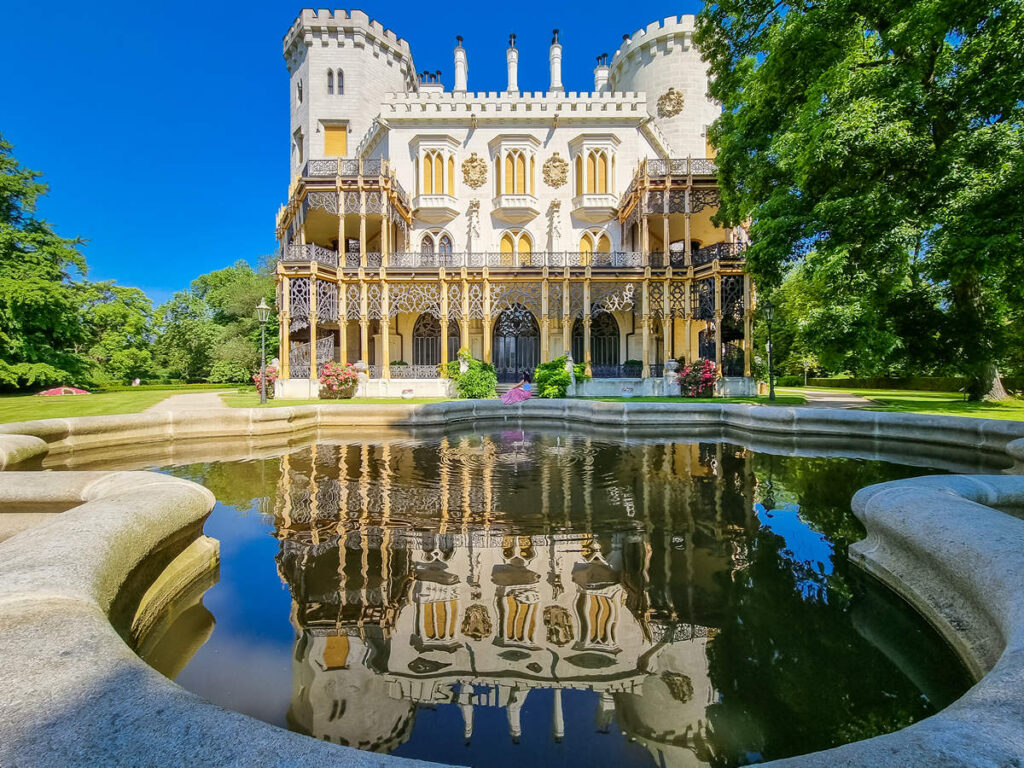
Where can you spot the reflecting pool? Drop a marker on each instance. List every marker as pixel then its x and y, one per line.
pixel 527 597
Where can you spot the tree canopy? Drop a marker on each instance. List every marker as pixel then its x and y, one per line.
pixel 880 146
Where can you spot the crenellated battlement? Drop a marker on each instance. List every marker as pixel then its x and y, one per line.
pixel 324 25
pixel 486 103
pixel 656 31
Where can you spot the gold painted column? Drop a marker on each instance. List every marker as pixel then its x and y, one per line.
pixel 362 229
pixel 444 324
pixel 666 322
pixel 718 323
pixel 464 320
pixel 544 322
pixel 645 325
pixel 364 322
pixel 748 325
pixel 688 320
pixel 566 320
pixel 487 318
pixel 341 229
pixel 285 341
pixel 385 327
pixel 586 326
pixel 342 321
pixel 385 234
pixel 686 229
pixel 313 373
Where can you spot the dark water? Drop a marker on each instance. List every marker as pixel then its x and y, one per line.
pixel 522 598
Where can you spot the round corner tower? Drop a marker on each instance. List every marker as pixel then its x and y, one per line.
pixel 339 65
pixel 663 62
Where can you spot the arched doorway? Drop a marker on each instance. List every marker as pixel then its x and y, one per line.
pixel 426 341
pixel 604 345
pixel 516 346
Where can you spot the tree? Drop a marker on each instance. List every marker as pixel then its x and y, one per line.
pixel 187 335
pixel 40 332
pixel 885 138
pixel 120 324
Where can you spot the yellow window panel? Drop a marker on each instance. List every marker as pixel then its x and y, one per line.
pixel 336 140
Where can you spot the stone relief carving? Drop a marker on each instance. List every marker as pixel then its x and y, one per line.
pixel 559 625
pixel 474 171
pixel 670 103
pixel 555 170
pixel 477 623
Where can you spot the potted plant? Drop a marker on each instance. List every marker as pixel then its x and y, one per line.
pixel 338 380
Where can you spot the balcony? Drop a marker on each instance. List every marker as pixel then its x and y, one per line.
pixel 723 252
pixel 685 166
pixel 343 166
pixel 415 260
pixel 309 253
pixel 435 209
pixel 515 209
pixel 594 208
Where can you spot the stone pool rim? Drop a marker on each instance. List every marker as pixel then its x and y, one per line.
pixel 936 540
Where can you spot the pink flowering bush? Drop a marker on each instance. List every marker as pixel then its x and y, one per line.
pixel 697 379
pixel 272 373
pixel 338 380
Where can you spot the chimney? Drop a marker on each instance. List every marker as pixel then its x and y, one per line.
pixel 512 55
pixel 601 73
pixel 461 66
pixel 555 59
pixel 430 82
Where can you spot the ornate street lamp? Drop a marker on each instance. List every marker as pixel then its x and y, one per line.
pixel 263 314
pixel 769 313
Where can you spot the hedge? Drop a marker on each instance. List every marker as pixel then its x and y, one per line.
pixel 177 387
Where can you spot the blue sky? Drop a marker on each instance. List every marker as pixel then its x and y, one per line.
pixel 162 130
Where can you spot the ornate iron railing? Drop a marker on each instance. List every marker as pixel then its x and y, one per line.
pixel 616 371
pixel 494 259
pixel 310 252
pixel 414 372
pixel 720 251
pixel 342 166
pixel 319 168
pixel 697 166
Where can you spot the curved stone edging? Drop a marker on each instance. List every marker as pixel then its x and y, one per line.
pixel 72 692
pixel 69 676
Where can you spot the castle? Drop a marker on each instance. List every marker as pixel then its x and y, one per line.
pixel 521 226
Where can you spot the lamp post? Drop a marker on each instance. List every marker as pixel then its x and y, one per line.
pixel 769 312
pixel 263 314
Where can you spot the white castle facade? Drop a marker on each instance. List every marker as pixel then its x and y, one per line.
pixel 520 225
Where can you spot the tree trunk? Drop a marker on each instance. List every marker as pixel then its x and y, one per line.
pixel 977 337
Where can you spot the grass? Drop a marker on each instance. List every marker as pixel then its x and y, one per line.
pixel 30 407
pixel 937 403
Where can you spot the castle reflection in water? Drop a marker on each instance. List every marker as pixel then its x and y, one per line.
pixel 411 586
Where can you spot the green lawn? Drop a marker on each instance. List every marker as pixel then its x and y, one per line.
pixel 30 407
pixel 941 403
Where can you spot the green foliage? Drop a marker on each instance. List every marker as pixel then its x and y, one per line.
pixel 878 147
pixel 228 371
pixel 552 380
pixel 479 382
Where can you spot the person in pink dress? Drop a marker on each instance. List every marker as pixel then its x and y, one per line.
pixel 519 392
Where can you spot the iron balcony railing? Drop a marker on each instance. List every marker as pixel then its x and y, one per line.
pixel 343 166
pixel 683 166
pixel 724 252
pixel 611 260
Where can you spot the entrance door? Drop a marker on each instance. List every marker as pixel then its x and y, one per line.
pixel 516 346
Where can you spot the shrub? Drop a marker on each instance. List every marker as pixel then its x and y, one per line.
pixel 398 362
pixel 552 380
pixel 271 378
pixel 227 371
pixel 338 380
pixel 479 382
pixel 789 381
pixel 697 379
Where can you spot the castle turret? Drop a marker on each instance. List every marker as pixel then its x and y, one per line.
pixel 512 58
pixel 461 67
pixel 555 62
pixel 601 74
pixel 663 62
pixel 339 64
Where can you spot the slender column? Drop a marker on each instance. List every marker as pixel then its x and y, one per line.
pixel 341 230
pixel 686 228
pixel 688 320
pixel 385 326
pixel 645 324
pixel 718 323
pixel 748 325
pixel 385 238
pixel 666 322
pixel 285 328
pixel 544 323
pixel 487 320
pixel 464 320
pixel 362 229
pixel 566 320
pixel 645 237
pixel 665 234
pixel 364 323
pixel 586 326
pixel 444 326
pixel 342 322
pixel 313 372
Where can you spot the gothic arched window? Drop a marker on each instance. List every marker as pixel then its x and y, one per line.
pixel 330 81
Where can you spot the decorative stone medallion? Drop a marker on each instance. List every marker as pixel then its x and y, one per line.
pixel 474 171
pixel 556 171
pixel 670 103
